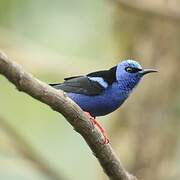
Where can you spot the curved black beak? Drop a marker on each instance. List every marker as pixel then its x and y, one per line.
pixel 146 71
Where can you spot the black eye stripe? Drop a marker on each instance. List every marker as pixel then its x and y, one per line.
pixel 132 69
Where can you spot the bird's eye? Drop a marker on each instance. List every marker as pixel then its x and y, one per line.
pixel 132 69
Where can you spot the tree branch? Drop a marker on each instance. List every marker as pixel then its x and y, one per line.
pixel 59 102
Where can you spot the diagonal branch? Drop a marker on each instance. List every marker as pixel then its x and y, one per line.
pixel 59 102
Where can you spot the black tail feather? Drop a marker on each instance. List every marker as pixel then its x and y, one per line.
pixel 55 84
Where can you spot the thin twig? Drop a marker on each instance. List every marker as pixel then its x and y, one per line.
pixel 59 102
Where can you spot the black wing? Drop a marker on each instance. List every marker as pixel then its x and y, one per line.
pixel 80 85
pixel 84 85
pixel 108 75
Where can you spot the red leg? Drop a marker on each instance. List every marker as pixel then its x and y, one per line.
pixel 99 127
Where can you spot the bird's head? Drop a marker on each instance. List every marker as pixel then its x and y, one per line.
pixel 129 73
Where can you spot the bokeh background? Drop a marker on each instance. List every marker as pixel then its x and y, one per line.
pixel 60 38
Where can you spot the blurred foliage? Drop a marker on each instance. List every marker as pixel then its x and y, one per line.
pixel 53 39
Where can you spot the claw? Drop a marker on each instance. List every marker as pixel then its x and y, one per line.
pixel 99 127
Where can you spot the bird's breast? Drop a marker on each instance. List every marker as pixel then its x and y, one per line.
pixel 102 104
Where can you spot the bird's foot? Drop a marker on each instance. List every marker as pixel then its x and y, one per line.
pixel 99 127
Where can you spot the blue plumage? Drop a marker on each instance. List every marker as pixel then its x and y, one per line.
pixel 102 92
pixel 102 104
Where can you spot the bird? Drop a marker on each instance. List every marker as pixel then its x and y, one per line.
pixel 102 92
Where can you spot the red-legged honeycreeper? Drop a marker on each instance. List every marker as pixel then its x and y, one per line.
pixel 101 92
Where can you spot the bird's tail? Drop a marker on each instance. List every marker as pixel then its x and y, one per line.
pixel 55 84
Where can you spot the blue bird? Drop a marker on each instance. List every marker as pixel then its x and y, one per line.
pixel 102 92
